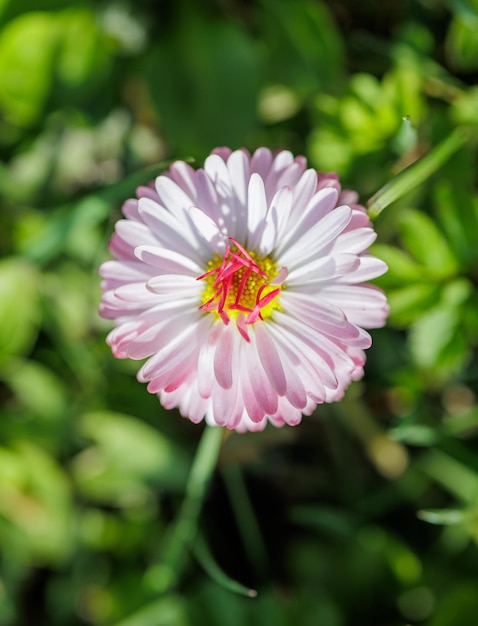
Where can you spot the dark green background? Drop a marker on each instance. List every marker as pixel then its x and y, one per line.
pixel 367 513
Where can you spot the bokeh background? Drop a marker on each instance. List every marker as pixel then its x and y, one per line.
pixel 367 513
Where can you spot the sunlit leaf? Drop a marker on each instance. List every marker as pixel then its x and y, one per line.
pixel 83 54
pixel 457 210
pixel 27 53
pixel 436 338
pixel 427 244
pixel 411 302
pixel 462 41
pixel 402 268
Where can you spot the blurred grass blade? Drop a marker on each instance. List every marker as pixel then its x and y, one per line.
pixel 203 554
pixel 416 173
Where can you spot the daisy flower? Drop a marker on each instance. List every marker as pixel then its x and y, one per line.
pixel 243 284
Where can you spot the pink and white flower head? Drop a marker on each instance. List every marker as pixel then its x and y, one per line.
pixel 244 285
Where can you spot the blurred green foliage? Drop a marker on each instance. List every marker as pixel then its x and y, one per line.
pixel 367 512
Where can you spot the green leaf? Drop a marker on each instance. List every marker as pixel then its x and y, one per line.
pixel 35 498
pixel 436 340
pixel 462 42
pixel 330 149
pixel 128 458
pixel 19 306
pixel 83 53
pixel 411 302
pixel 27 54
pixel 402 268
pixel 36 387
pixel 464 107
pixel 457 212
pixel 423 239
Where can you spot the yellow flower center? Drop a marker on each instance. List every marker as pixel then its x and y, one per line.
pixel 241 282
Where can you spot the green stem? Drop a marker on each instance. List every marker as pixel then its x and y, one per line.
pixel 165 574
pixel 417 173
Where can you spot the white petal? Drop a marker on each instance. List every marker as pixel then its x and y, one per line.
pixel 310 244
pixel 175 286
pixel 130 210
pixel 151 340
pixel 206 378
pixel 321 266
pixel 257 209
pixel 261 162
pixel 216 169
pixel 270 359
pixel 168 261
pixel 174 349
pixel 266 397
pixel 134 233
pixel 239 172
pixel 304 190
pixel 369 267
pixel 207 199
pixel 276 220
pixel 325 319
pixel 253 409
pixel 183 174
pixel 223 358
pixel 301 222
pixel 172 196
pixel 207 229
pixel 305 341
pixel 364 305
pixel 223 404
pixel 125 271
pixel 135 292
pixel 171 230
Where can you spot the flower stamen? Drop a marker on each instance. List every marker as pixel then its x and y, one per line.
pixel 241 283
